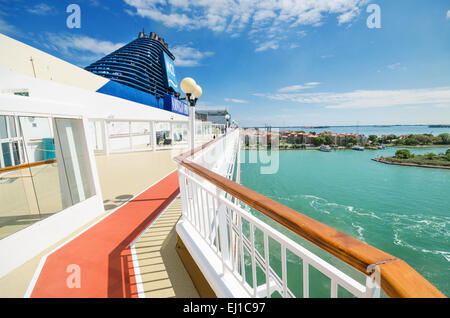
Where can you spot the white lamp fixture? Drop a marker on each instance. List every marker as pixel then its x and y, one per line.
pixel 188 85
pixel 192 90
pixel 197 91
pixel 227 118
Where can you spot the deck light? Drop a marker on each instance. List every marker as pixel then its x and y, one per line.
pixel 198 91
pixel 188 85
pixel 193 92
pixel 227 118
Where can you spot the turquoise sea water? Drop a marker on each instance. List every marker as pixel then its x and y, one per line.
pixel 404 211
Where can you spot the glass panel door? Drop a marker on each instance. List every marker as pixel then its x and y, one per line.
pixel 44 169
pixel 75 158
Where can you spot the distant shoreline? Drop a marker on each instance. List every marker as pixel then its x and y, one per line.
pixel 353 126
pixel 409 164
pixel 345 148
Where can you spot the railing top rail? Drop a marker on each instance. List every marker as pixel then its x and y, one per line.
pixel 398 279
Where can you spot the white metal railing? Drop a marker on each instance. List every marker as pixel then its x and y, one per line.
pixel 123 135
pixel 229 230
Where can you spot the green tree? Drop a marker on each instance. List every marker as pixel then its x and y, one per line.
pixel 447 155
pixel 403 154
pixel 423 139
pixel 328 140
pixel 373 138
pixel 447 152
pixel 350 141
pixel 430 156
pixel 445 138
pixel 319 141
pixel 388 138
pixel 410 141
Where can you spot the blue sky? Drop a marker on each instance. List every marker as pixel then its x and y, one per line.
pixel 280 62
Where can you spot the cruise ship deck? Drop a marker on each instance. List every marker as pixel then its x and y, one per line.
pixel 103 196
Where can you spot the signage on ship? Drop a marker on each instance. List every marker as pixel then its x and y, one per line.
pixel 174 105
pixel 170 72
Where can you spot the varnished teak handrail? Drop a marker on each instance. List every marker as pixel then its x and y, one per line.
pixel 398 279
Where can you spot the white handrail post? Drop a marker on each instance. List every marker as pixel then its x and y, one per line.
pixel 153 136
pixel 373 289
pixel 183 192
pixel 223 230
pixel 105 137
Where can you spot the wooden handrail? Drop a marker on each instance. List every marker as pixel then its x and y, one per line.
pixel 27 165
pixel 398 279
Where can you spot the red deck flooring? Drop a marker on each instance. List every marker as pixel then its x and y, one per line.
pixel 102 253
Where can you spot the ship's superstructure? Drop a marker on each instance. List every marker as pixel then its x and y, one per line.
pixel 145 64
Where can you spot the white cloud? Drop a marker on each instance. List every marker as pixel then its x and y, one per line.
pixel 235 100
pixel 71 46
pixel 267 18
pixel 41 9
pixel 83 43
pixel 6 28
pixel 348 16
pixel 393 67
pixel 296 88
pixel 188 56
pixel 361 99
pixel 448 15
pixel 272 44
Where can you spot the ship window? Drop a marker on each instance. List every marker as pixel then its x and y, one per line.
pixel 163 135
pixel 180 133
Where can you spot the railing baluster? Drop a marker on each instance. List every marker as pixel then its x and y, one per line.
pixel 266 256
pixel 190 201
pixel 284 270
pixel 182 181
pixel 232 249
pixel 241 248
pixel 216 226
pixel 223 230
pixel 202 213
pixel 305 279
pixel 334 289
pixel 199 228
pixel 208 212
pixel 252 241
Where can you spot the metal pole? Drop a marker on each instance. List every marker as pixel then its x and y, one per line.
pixel 192 125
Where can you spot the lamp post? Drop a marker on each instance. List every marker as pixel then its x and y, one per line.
pixel 193 92
pixel 227 118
